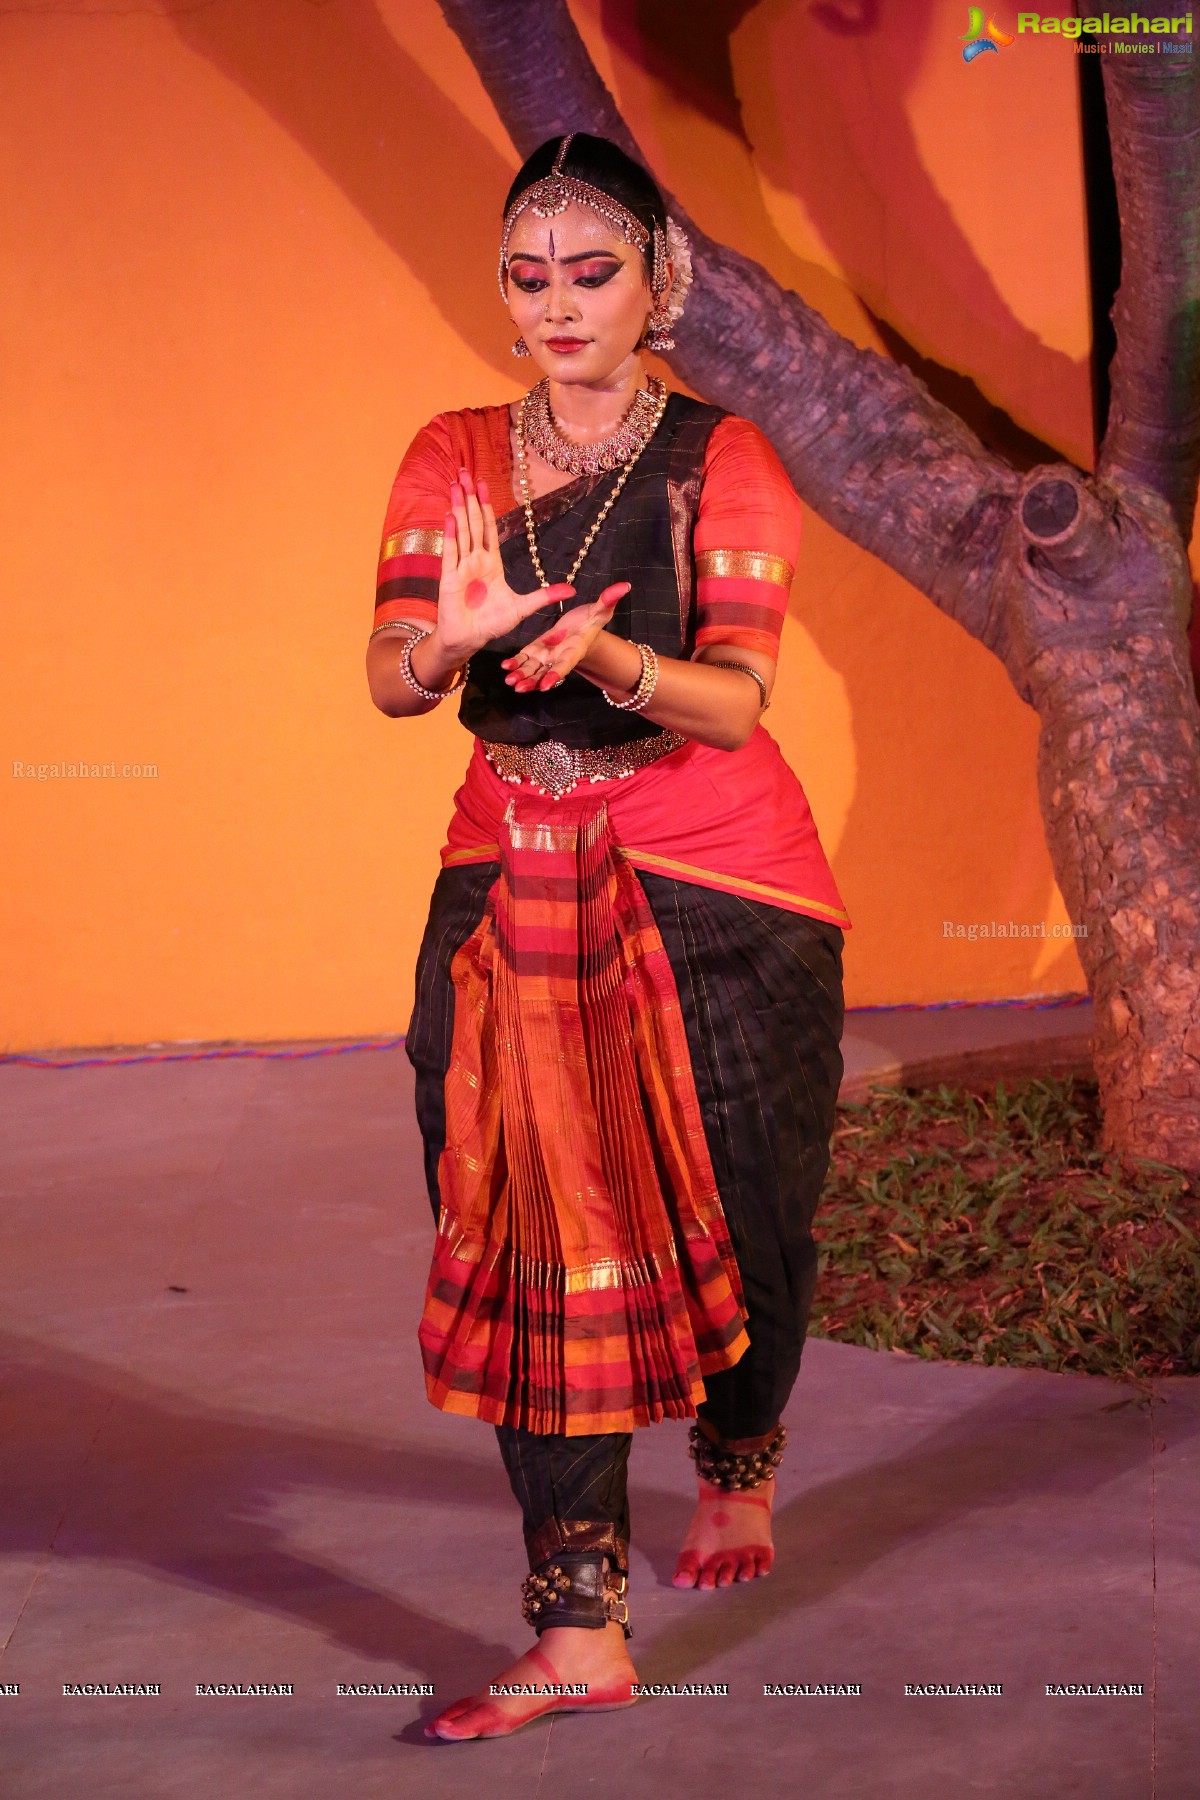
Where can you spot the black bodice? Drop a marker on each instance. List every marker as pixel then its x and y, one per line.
pixel 646 540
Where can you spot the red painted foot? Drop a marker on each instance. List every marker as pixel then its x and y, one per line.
pixel 482 1716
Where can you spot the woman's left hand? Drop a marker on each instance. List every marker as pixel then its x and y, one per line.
pixel 550 658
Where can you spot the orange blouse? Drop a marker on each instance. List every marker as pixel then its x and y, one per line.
pixel 746 537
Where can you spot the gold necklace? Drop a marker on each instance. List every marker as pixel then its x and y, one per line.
pixel 634 427
pixel 527 500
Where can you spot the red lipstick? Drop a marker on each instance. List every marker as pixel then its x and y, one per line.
pixel 565 345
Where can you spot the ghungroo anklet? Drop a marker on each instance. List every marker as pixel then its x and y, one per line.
pixel 730 1469
pixel 541 1590
pixel 576 1588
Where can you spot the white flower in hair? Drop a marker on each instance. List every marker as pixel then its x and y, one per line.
pixel 679 250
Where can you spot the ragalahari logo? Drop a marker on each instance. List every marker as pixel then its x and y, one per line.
pixel 982 40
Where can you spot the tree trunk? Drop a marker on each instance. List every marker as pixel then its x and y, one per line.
pixel 1078 583
pixel 1119 784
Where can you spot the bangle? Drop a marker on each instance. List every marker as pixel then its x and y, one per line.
pixel 406 670
pixel 401 625
pixel 752 673
pixel 647 682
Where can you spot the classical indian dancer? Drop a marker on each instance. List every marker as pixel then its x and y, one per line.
pixel 628 1013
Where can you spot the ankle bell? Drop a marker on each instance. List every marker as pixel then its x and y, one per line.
pixel 576 1587
pixel 733 1469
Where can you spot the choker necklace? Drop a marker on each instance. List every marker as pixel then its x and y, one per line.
pixel 541 430
pixel 636 444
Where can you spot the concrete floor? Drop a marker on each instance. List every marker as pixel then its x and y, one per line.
pixel 217 1464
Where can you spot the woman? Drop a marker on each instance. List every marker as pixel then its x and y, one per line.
pixel 629 997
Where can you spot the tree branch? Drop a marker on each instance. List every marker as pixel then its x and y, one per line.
pixel 866 444
pixel 1079 584
pixel 1153 433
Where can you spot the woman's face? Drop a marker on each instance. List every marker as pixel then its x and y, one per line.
pixel 578 293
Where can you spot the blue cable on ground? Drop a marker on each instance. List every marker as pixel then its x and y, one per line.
pixel 220 1053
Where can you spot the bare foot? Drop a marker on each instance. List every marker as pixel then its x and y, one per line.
pixel 729 1538
pixel 596 1659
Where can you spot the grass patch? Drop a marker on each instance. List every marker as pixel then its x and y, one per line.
pixel 985 1224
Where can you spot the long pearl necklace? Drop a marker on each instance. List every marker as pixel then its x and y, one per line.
pixel 633 434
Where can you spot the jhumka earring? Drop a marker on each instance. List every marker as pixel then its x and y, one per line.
pixel 658 332
pixel 670 244
pixel 658 326
pixel 554 192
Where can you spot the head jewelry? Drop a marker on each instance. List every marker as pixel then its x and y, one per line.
pixel 555 192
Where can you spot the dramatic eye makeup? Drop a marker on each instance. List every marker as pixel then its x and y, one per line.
pixel 590 269
pixel 595 273
pixel 527 279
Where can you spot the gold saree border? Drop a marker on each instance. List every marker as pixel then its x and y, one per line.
pixel 746 565
pixel 412 542
pixel 729 884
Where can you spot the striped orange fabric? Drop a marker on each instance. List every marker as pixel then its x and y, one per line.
pixel 410 551
pixel 737 820
pixel 746 541
pixel 583 1278
pixel 746 537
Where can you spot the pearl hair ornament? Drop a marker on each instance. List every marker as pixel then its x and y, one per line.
pixel 555 192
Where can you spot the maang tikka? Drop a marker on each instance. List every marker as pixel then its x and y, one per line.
pixel 554 192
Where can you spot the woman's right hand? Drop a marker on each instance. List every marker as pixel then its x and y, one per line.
pixel 475 602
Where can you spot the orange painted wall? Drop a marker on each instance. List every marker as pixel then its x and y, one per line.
pixel 250 250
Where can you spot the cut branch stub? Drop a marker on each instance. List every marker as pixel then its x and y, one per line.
pixel 1079 583
pixel 1067 526
pixel 1049 507
pixel 1099 563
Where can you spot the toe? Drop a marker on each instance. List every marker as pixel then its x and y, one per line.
pixel 686 1569
pixel 726 1570
pixel 764 1561
pixel 469 1721
pixel 449 1722
pixel 434 1727
pixel 445 1728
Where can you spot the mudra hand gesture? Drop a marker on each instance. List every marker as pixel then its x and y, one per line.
pixel 551 657
pixel 476 604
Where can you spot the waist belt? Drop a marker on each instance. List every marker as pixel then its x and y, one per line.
pixel 555 768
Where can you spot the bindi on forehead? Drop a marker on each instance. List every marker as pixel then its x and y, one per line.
pixel 578 232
